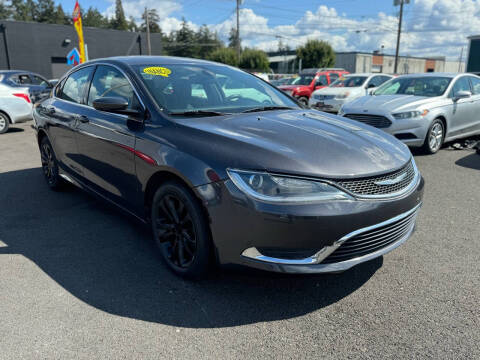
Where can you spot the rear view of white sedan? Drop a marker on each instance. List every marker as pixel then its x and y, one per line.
pixel 345 89
pixel 15 107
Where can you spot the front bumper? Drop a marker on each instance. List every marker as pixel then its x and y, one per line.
pixel 330 105
pixel 255 234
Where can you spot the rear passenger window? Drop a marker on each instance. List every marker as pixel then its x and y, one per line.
pixel 74 88
pixel 110 82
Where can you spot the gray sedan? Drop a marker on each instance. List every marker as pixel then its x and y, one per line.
pixel 422 110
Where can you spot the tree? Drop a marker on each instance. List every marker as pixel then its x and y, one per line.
pixel 254 60
pixel 24 10
pixel 94 18
pixel 60 16
pixel 207 42
pixel 46 11
pixel 119 22
pixel 132 25
pixel 225 56
pixel 153 19
pixel 316 53
pixel 184 41
pixel 5 11
pixel 232 38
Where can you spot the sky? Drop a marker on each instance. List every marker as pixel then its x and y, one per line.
pixel 430 28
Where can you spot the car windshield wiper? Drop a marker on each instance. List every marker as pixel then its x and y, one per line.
pixel 197 113
pixel 268 108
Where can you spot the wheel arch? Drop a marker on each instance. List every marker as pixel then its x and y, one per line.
pixel 9 119
pixel 443 119
pixel 159 178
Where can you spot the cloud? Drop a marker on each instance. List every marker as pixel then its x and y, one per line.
pixel 431 27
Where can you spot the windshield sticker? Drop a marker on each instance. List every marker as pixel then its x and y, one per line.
pixel 157 70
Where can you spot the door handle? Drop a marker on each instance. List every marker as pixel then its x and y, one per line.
pixel 82 118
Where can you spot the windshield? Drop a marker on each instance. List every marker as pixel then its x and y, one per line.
pixel 350 81
pixel 419 86
pixel 305 79
pixel 182 88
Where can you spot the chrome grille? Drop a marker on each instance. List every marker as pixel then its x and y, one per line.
pixel 373 120
pixel 372 240
pixel 372 186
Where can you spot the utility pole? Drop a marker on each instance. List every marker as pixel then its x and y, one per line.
pixel 147 22
pixel 238 28
pixel 460 61
pixel 395 3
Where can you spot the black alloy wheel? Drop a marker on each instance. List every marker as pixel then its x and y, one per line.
pixel 50 165
pixel 181 231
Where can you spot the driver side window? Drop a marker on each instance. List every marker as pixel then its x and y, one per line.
pixel 109 82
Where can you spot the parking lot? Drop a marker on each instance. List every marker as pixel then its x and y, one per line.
pixel 80 279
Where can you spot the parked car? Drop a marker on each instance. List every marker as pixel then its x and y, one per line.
pixel 310 80
pixel 15 107
pixel 345 89
pixel 224 178
pixel 282 81
pixel 38 87
pixel 422 110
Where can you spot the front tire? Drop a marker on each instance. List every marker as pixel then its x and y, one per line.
pixel 50 165
pixel 303 100
pixel 180 230
pixel 435 137
pixel 4 123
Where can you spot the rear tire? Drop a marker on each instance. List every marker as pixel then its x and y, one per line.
pixel 435 137
pixel 180 230
pixel 50 165
pixel 4 123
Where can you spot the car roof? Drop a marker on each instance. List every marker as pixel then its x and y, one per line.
pixel 434 74
pixel 161 60
pixel 366 74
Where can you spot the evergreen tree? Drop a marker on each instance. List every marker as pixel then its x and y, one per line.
pixel 94 18
pixel 24 10
pixel 254 60
pixel 232 38
pixel 132 26
pixel 5 11
pixel 153 19
pixel 46 11
pixel 316 53
pixel 184 41
pixel 61 17
pixel 119 22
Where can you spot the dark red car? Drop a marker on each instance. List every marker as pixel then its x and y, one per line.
pixel 310 80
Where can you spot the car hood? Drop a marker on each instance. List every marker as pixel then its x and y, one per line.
pixel 290 87
pixel 307 143
pixel 388 103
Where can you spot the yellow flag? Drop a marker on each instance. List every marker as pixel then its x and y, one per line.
pixel 77 22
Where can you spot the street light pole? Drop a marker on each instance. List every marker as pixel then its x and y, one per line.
pixel 399 2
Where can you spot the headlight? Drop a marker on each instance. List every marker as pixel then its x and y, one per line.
pixel 410 114
pixel 281 189
pixel 342 96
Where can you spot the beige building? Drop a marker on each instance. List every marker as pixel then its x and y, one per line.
pixel 357 62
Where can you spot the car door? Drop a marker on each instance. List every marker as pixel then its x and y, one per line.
pixel 106 141
pixel 63 109
pixel 462 109
pixel 475 120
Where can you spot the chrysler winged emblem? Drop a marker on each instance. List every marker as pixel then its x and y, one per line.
pixel 391 181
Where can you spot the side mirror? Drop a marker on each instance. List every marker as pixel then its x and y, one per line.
pixel 117 105
pixel 464 94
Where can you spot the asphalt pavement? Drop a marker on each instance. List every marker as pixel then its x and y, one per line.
pixel 80 280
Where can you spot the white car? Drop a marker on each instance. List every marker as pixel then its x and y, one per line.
pixel 15 106
pixel 345 89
